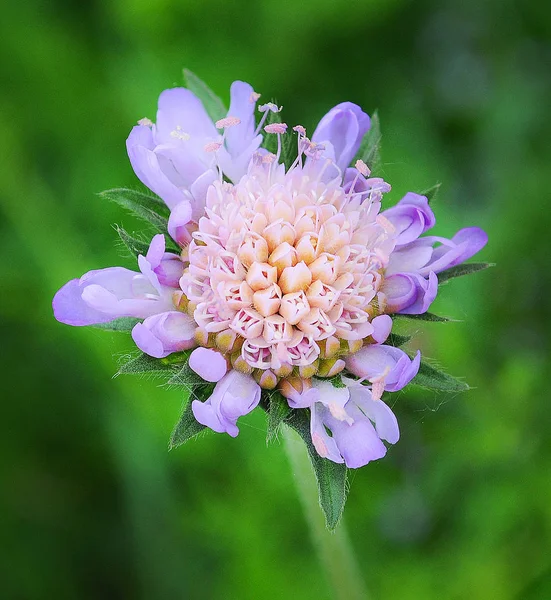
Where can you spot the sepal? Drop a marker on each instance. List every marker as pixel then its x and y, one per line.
pixel 213 104
pixel 369 150
pixel 431 377
pixel 460 270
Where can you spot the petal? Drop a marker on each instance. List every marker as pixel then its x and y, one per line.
pixel 342 130
pixel 242 106
pixel 208 364
pixel 412 257
pixel 180 216
pixel 382 326
pixel 358 443
pixel 146 166
pixel 179 107
pixel 70 308
pixel 162 334
pixel 385 421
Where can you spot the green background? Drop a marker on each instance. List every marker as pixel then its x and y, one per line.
pixel 93 505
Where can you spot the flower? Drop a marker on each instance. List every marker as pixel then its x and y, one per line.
pixel 357 422
pixel 170 158
pixel 287 273
pixel 235 395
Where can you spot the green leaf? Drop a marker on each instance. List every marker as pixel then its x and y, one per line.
pixel 277 409
pixel 186 427
pixel 145 364
pixel 369 150
pixel 146 207
pixel 125 324
pixel 431 192
pixel 424 317
pixel 331 476
pixel 213 105
pixel 460 270
pixel 187 377
pixel 433 378
pixel 134 245
pixel 397 340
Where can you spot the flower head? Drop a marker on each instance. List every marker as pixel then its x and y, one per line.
pixel 283 274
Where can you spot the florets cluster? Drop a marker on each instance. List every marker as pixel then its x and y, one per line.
pixel 285 271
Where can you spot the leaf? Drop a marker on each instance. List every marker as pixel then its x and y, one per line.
pixel 277 409
pixel 460 270
pixel 424 317
pixel 146 207
pixel 213 105
pixel 125 324
pixel 186 376
pixel 145 364
pixel 331 476
pixel 369 150
pixel 431 193
pixel 433 378
pixel 132 244
pixel 186 427
pixel 397 340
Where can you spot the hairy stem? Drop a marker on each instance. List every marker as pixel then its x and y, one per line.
pixel 333 548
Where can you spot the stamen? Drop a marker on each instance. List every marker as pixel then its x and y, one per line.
pixel 276 128
pixel 145 122
pixel 362 168
pixel 227 122
pixel 254 97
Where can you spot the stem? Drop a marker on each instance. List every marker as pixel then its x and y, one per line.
pixel 334 550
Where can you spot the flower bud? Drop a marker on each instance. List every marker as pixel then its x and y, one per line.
pixel 306 247
pixel 307 371
pixel 293 307
pixel 329 367
pixel 253 249
pixel 240 364
pixel 261 275
pixel 295 279
pixel 294 385
pixel 283 256
pixel 267 301
pixel 265 379
pixel 284 370
pixel 228 341
pixel 330 347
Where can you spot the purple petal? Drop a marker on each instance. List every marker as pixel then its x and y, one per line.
pixel 179 107
pixel 382 326
pixel 467 243
pixel 411 217
pixel 180 216
pixel 208 364
pixel 358 443
pixel 70 308
pixel 162 334
pixel 145 163
pixel 411 257
pixel 410 293
pixel 235 395
pixel 243 107
pixel 342 130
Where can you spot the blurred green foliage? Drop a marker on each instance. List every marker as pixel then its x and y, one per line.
pixel 93 505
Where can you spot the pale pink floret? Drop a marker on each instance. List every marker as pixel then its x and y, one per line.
pixel 285 261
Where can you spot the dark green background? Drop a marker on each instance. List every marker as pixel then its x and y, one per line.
pixel 93 506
